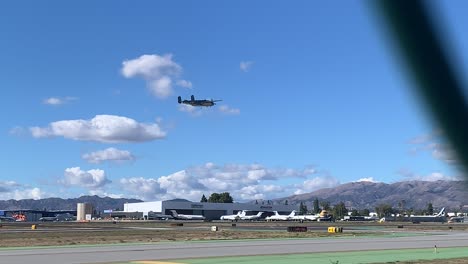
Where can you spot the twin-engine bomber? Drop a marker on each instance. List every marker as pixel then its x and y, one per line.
pixel 194 102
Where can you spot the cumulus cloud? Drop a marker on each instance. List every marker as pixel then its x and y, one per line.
pixel 184 83
pixel 228 110
pixel 245 66
pixel 92 179
pixel 434 176
pixel 434 144
pixel 102 128
pixel 58 100
pixel 160 73
pixel 243 181
pixel 147 189
pixel 109 154
pixel 316 183
pixel 192 110
pixel 14 190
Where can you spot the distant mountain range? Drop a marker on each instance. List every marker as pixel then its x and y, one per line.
pixel 358 195
pixel 408 194
pixel 99 203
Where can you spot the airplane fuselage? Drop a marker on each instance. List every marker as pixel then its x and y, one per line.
pixel 198 102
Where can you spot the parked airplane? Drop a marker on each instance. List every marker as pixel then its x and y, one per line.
pixel 186 217
pixel 305 217
pixel 7 219
pixel 278 217
pixel 440 217
pixel 456 219
pixel 233 217
pixel 252 217
pixel 49 219
pixel 194 102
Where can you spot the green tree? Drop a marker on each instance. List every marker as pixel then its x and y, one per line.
pixel 325 205
pixel 339 210
pixel 384 210
pixel 302 208
pixel 430 209
pixel 203 199
pixel 364 212
pixel 316 206
pixel 354 212
pixel 224 197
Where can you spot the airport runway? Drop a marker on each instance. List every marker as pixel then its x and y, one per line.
pixel 178 250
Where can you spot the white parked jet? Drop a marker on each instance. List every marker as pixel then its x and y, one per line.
pixel 278 217
pixel 252 217
pixel 305 217
pixel 440 217
pixel 235 217
pixel 186 217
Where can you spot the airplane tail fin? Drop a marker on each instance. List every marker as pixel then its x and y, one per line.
pixel 179 100
pixel 174 213
pixel 441 212
pixel 293 213
pixel 259 214
pixel 192 98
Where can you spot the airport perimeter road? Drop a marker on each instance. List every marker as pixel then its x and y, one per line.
pixel 178 250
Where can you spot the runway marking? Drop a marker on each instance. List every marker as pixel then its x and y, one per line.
pixel 154 262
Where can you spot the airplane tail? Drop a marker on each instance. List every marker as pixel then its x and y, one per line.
pixel 192 98
pixel 179 100
pixel 293 213
pixel 259 214
pixel 174 213
pixel 441 212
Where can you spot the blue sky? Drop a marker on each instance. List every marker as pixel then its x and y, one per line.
pixel 312 97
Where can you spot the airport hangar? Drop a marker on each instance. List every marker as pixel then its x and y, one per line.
pixel 212 211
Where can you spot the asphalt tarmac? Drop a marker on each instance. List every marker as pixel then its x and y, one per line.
pixel 178 250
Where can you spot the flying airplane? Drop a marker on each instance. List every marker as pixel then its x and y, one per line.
pixel 440 217
pixel 186 217
pixel 278 217
pixel 235 217
pixel 194 102
pixel 252 217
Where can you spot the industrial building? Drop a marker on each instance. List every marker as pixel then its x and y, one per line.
pixel 212 211
pixel 84 211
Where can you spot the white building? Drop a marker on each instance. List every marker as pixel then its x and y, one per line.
pixel 212 211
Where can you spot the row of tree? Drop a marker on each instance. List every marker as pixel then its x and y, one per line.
pixel 224 197
pixel 339 210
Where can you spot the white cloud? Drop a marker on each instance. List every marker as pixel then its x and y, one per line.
pixel 245 66
pixel 58 100
pixel 102 128
pixel 434 176
pixel 147 189
pixel 92 179
pixel 14 190
pixel 184 83
pixel 109 154
pixel 316 184
pixel 243 181
pixel 434 144
pixel 228 110
pixel 160 72
pixel 192 110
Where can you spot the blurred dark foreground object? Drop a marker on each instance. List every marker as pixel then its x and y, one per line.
pixel 427 62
